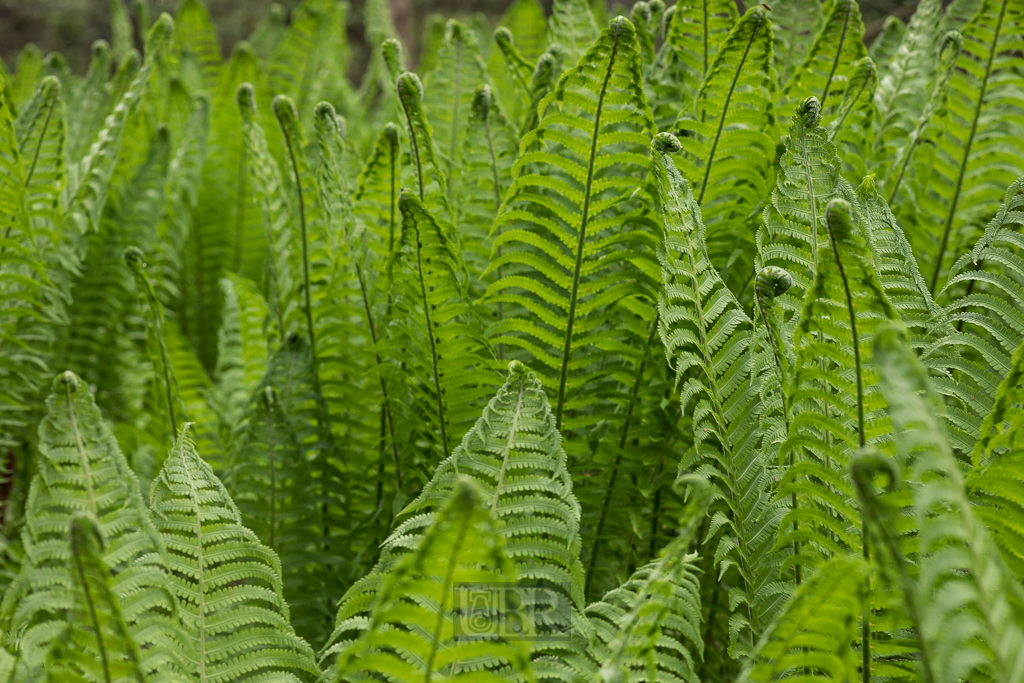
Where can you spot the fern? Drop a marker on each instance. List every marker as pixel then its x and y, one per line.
pixel 829 64
pixel 959 561
pixel 707 340
pixel 797 23
pixel 97 644
pixel 421 165
pixel 81 469
pixel 979 98
pixel 726 139
pixel 812 637
pixel 572 25
pixel 852 129
pixel 196 46
pixel 229 583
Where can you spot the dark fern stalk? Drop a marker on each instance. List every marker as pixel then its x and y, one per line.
pixel 839 219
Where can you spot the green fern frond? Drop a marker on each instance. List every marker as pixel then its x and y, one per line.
pixel 452 361
pixel 883 48
pixel 993 486
pixel 956 179
pixel 521 37
pixel 242 349
pixel 422 169
pixel 416 630
pixel 836 407
pixel 695 33
pixel 491 148
pixel 830 61
pixel 375 201
pixel 196 47
pixel 543 80
pixel 794 221
pixel 958 559
pixel 852 130
pixel 448 97
pixel 228 583
pixel 81 469
pixel 268 33
pixel 572 25
pixel 707 340
pixel 310 54
pixel 796 22
pixel 649 629
pixel 27 71
pixel 727 139
pixel 97 644
pixel 952 44
pixel 272 480
pixel 89 99
pixel 812 638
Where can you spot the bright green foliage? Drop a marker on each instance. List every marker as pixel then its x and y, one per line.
pixel 414 611
pixel 228 583
pixel 727 139
pixel 794 221
pixel 830 61
pixel 957 184
pixel 96 645
pixel 695 458
pixel 81 469
pixel 817 629
pixel 796 23
pixel 693 37
pixel 450 371
pixel 959 560
pixel 704 329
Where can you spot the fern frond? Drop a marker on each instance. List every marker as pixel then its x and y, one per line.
pixel 836 408
pixel 309 54
pixel 727 139
pixel 452 361
pixel 796 22
pixel 97 644
pixel 883 48
pixel 794 221
pixel 958 562
pixel 81 469
pixel 27 71
pixel 830 61
pixel 196 47
pixel 852 129
pixel 521 37
pixel 421 165
pixel 695 33
pixel 417 630
pixel 228 583
pixel 448 97
pixel 957 179
pixel 812 638
pixel 707 340
pixel 542 81
pixel 272 480
pixel 242 349
pixel 572 25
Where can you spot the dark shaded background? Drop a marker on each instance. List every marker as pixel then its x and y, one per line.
pixel 70 26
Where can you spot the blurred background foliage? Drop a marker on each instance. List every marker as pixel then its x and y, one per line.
pixel 71 26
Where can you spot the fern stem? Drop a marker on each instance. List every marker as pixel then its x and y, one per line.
pixel 273 469
pixel 567 347
pixel 967 150
pixel 728 99
pixel 200 574
pixel 93 617
pixel 433 347
pixel 497 209
pixel 32 168
pixel 239 211
pixel 83 456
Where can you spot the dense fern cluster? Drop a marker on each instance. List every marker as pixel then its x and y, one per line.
pixel 694 339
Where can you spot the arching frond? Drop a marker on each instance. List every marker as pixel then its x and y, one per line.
pixel 959 562
pixel 812 638
pixel 81 469
pixel 196 46
pixel 852 130
pixel 242 348
pixel 796 22
pixel 957 180
pixel 228 583
pixel 97 644
pixel 727 140
pixel 707 339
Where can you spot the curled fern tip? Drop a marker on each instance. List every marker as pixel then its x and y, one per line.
pixel 666 143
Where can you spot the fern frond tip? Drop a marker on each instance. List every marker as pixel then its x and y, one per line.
pixel 772 282
pixel 666 143
pixel 135 258
pixel 809 111
pixel 66 381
